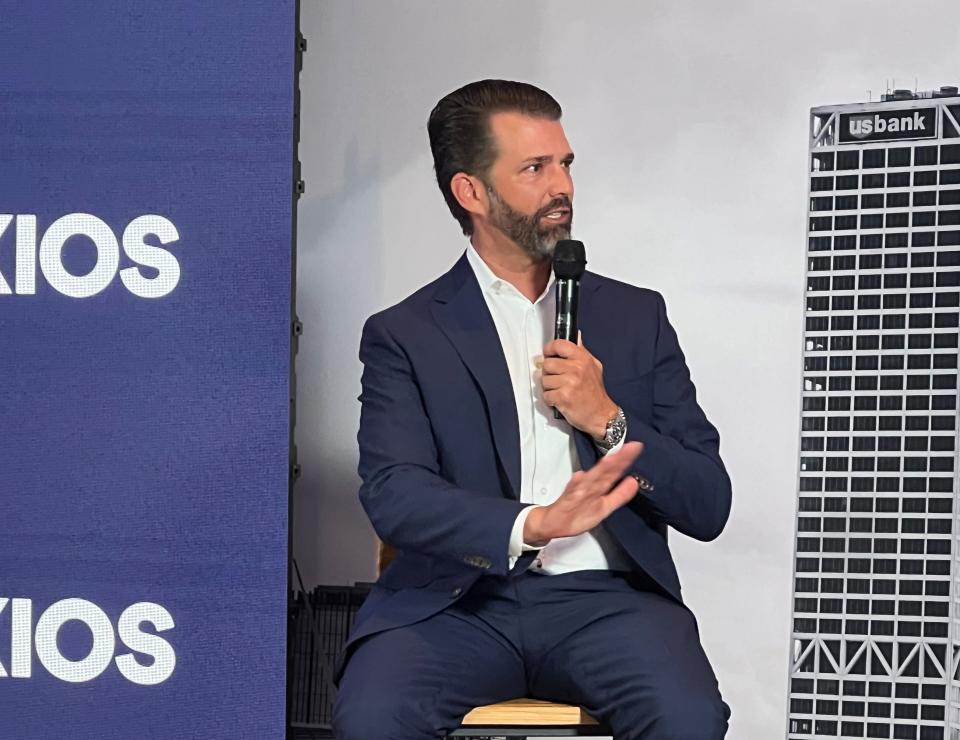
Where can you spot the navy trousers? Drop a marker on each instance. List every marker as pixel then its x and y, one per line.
pixel 631 657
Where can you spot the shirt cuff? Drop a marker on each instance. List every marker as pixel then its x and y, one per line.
pixel 517 545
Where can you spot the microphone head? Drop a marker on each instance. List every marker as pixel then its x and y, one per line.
pixel 569 259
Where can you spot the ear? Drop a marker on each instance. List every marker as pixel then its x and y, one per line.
pixel 470 193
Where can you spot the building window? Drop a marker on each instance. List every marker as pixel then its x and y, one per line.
pixel 874 158
pixel 822 162
pixel 922 239
pixel 848 159
pixel 843 302
pixel 898 180
pixel 949 218
pixel 819 184
pixel 948 238
pixel 899 157
pixel 847 202
pixel 950 154
pixel 821 223
pixel 847 182
pixel 897 241
pixel 897 220
pixel 898 200
pixel 948 197
pixel 925 156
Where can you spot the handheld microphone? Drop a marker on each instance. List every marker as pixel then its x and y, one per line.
pixel 569 263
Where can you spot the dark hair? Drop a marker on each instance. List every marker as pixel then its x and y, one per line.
pixel 459 130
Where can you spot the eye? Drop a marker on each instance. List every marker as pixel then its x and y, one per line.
pixel 535 167
pixel 568 163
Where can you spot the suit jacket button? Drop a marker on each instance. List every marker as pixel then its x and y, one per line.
pixel 456 592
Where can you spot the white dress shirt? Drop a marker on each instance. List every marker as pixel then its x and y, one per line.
pixel 548 456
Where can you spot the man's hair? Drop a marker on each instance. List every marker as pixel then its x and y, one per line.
pixel 460 135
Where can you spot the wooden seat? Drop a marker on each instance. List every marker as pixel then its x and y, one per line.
pixel 518 712
pixel 519 717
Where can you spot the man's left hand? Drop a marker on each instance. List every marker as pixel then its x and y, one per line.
pixel 572 382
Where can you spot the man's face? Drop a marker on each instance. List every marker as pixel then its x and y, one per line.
pixel 529 184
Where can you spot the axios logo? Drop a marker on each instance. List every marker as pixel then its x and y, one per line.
pixel 108 255
pixel 104 641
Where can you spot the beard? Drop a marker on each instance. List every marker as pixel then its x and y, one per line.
pixel 527 232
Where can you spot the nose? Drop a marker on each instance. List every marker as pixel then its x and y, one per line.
pixel 561 183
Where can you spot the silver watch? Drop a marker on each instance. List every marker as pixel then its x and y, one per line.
pixel 616 429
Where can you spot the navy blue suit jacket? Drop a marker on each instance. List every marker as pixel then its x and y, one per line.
pixel 440 448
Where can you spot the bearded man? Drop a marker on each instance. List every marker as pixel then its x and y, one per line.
pixel 532 550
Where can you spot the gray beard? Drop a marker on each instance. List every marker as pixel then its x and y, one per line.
pixel 526 231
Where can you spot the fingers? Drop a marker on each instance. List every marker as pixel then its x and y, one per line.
pixel 602 478
pixel 560 348
pixel 552 382
pixel 621 494
pixel 612 467
pixel 553 365
pixel 619 461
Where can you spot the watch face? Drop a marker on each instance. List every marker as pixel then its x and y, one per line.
pixel 616 428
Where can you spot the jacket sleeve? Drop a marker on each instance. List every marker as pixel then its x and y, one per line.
pixel 683 480
pixel 408 502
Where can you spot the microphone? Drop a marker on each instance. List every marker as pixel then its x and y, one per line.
pixel 569 263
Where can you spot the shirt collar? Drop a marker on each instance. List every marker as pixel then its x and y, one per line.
pixel 490 283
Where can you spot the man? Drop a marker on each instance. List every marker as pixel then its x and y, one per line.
pixel 532 551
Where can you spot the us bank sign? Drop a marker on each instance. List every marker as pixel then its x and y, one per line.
pixel 888 125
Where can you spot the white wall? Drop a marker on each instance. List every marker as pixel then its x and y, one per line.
pixel 689 121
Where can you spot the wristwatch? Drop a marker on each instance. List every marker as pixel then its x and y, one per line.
pixel 616 429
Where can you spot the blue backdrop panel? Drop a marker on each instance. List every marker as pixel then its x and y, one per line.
pixel 146 177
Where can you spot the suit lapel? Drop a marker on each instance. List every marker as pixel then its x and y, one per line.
pixel 591 322
pixel 462 314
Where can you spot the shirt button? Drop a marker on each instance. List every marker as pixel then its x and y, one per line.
pixel 543 491
pixel 456 592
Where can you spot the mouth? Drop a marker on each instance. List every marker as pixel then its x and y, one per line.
pixel 557 216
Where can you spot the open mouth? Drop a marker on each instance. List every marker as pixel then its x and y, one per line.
pixel 558 215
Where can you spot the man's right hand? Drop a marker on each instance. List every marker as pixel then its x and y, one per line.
pixel 589 498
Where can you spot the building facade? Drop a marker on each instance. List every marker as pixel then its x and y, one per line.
pixel 875 642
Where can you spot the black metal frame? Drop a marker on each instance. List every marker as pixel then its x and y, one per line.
pixel 296 329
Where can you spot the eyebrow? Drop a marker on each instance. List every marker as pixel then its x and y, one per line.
pixel 545 158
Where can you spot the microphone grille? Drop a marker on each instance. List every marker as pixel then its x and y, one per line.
pixel 569 259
